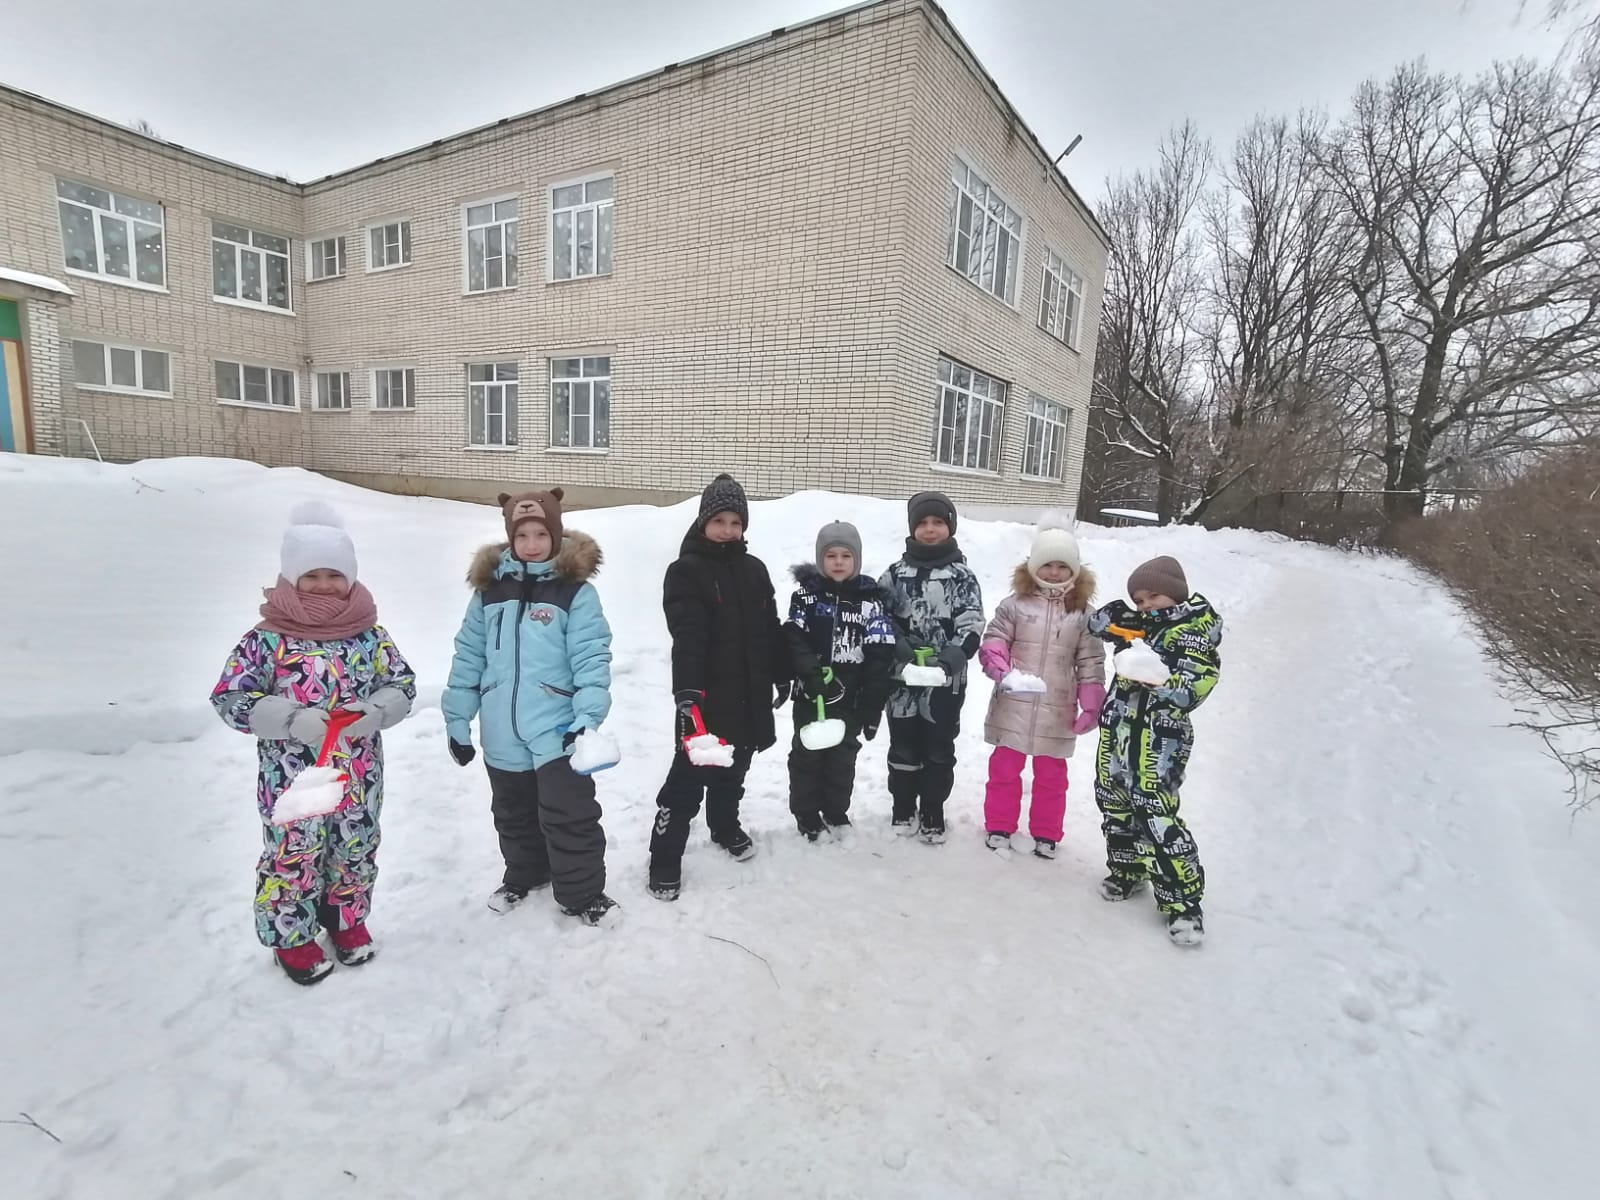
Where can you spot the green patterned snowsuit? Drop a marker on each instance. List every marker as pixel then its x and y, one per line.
pixel 1145 739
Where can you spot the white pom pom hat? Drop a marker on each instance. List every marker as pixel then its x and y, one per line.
pixel 1054 542
pixel 316 540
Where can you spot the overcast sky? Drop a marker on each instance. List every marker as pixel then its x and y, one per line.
pixel 306 87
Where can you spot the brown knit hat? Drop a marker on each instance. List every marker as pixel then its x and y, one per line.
pixel 544 507
pixel 1162 576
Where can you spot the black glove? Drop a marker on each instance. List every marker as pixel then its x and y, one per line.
pixel 570 738
pixel 463 754
pixel 953 659
pixel 686 700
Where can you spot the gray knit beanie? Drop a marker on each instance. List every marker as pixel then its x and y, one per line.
pixel 931 504
pixel 839 533
pixel 1163 576
pixel 723 494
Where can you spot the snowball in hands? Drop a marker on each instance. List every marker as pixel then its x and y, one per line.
pixel 315 792
pixel 1020 681
pixel 594 751
pixel 1141 664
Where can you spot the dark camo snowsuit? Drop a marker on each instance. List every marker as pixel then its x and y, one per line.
pixel 1145 740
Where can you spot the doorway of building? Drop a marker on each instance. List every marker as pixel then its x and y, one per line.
pixel 15 435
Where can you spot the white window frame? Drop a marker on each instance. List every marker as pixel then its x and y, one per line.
pixel 318 397
pixel 241 402
pixel 313 257
pixel 966 182
pixel 466 245
pixel 138 352
pixel 240 249
pixel 409 386
pixel 1048 426
pixel 505 390
pixel 948 390
pixel 597 207
pixel 403 242
pixel 1060 300
pixel 582 378
pixel 98 216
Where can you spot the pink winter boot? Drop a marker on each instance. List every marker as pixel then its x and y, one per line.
pixel 354 945
pixel 304 964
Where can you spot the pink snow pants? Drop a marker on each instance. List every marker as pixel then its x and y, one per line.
pixel 1002 801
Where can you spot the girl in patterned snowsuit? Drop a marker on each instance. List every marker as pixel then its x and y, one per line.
pixel 1145 740
pixel 318 650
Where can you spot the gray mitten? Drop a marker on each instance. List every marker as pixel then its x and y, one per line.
pixel 269 717
pixel 309 726
pixel 393 706
pixel 385 708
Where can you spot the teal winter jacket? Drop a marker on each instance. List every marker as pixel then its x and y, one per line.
pixel 533 658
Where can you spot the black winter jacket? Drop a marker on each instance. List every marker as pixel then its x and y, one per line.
pixel 844 626
pixel 726 642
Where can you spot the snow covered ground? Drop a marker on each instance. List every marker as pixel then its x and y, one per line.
pixel 1396 998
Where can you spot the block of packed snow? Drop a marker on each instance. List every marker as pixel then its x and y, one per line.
pixel 1021 681
pixel 594 752
pixel 1142 665
pixel 708 750
pixel 315 792
pixel 914 676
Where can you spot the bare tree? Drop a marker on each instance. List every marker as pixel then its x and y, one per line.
pixel 1146 379
pixel 1278 321
pixel 1475 207
pixel 144 127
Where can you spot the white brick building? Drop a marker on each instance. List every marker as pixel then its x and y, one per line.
pixel 830 257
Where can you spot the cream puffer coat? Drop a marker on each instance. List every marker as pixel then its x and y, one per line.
pixel 1041 630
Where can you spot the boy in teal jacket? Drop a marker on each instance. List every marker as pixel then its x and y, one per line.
pixel 533 664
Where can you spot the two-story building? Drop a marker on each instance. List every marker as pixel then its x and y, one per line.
pixel 830 257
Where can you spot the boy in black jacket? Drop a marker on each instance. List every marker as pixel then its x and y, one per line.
pixel 842 649
pixel 937 609
pixel 727 661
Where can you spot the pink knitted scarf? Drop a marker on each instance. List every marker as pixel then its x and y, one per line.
pixel 317 618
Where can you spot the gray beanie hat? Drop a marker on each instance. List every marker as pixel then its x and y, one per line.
pixel 1163 576
pixel 839 533
pixel 723 494
pixel 931 504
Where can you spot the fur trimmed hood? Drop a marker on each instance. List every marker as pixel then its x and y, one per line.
pixel 578 560
pixel 1077 596
pixel 813 580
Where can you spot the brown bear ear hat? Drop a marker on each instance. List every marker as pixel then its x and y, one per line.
pixel 544 507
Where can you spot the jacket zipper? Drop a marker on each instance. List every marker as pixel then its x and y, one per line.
pixel 1049 624
pixel 516 650
pixel 499 627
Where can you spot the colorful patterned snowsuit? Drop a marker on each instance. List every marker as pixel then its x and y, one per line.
pixel 1145 740
pixel 317 872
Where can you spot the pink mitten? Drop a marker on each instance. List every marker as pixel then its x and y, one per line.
pixel 995 657
pixel 1091 699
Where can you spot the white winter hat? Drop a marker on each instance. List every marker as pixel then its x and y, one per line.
pixel 1053 543
pixel 316 541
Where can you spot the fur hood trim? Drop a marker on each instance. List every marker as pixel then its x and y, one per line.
pixel 1077 596
pixel 579 560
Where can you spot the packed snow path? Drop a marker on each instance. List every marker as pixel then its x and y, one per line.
pixel 1395 999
